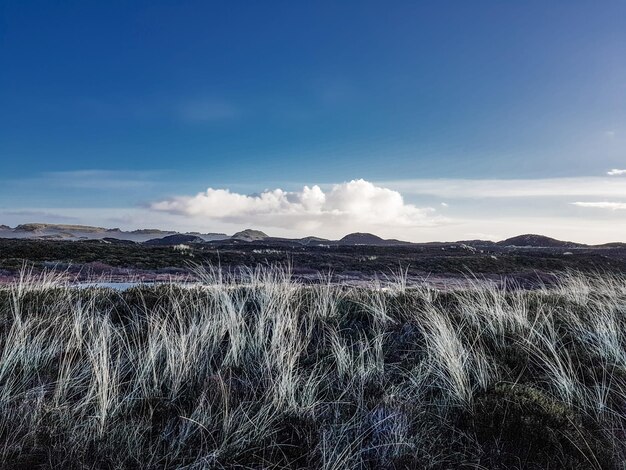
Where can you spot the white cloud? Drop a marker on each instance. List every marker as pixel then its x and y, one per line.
pixel 511 188
pixel 602 205
pixel 616 172
pixel 357 205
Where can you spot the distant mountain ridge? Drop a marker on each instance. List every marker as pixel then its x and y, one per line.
pixel 48 231
pixel 158 237
pixel 34 227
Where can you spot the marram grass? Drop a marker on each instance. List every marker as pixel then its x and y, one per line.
pixel 259 371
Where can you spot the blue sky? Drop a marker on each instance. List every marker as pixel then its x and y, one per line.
pixel 118 106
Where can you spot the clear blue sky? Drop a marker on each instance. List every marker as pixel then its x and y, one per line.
pixel 166 98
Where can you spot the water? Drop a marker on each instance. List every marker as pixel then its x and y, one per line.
pixel 121 286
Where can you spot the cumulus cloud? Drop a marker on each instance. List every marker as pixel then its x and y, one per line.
pixel 354 205
pixel 602 205
pixel 616 172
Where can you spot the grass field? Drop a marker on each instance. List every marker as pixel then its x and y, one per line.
pixel 257 371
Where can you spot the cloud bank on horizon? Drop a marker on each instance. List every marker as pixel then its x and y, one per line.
pixel 355 204
pixel 465 207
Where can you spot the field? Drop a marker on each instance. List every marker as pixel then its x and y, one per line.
pixel 258 370
pixel 85 259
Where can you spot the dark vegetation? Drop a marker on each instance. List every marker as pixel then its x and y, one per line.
pixel 451 259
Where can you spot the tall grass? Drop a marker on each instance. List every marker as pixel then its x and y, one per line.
pixel 254 370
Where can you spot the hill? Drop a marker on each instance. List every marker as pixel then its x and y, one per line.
pixel 150 231
pixel 538 241
pixel 611 245
pixel 35 227
pixel 360 238
pixel 312 240
pixel 176 239
pixel 250 235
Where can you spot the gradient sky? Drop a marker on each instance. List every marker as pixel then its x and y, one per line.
pixel 486 118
